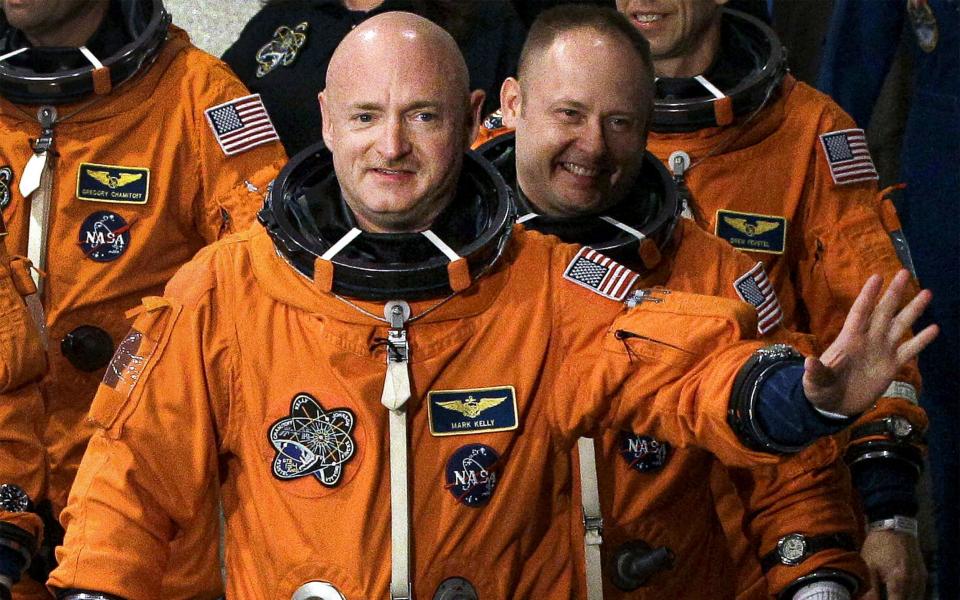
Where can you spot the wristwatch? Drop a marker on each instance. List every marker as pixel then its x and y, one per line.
pixel 794 548
pixel 897 523
pixel 894 426
pixel 13 499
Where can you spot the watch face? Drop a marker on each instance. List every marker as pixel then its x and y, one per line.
pixel 792 548
pixel 901 427
pixel 13 499
pixel 778 352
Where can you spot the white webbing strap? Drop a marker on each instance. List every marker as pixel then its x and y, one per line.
pixel 441 245
pixel 90 56
pixel 634 232
pixel 524 218
pixel 341 244
pixel 14 53
pixel 592 518
pixel 400 587
pixel 40 198
pixel 396 394
pixel 717 93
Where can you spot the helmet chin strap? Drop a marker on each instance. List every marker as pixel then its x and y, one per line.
pixel 14 53
pixel 101 74
pixel 341 244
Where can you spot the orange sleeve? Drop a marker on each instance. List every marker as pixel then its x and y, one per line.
pixel 22 363
pixel 22 358
pixel 847 231
pixel 151 458
pixel 22 455
pixel 808 493
pixel 664 366
pixel 233 186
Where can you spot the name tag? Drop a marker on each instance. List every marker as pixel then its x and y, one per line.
pixel 109 183
pixel 481 410
pixel 756 233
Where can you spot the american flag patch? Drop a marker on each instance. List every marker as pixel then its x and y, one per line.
pixel 600 274
pixel 241 124
pixel 848 156
pixel 754 288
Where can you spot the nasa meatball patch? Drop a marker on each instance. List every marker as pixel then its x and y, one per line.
pixel 481 410
pixel 643 453
pixel 313 440
pixel 494 120
pixel 114 184
pixel 472 474
pixel 105 236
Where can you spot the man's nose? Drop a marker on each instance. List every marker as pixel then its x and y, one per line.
pixel 592 139
pixel 393 142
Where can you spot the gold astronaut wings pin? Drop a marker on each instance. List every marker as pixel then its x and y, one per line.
pixel 471 407
pixel 115 184
pixel 478 410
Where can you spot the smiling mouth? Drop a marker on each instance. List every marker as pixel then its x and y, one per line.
pixel 579 170
pixel 645 18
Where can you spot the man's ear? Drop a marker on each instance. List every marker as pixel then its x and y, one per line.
pixel 475 116
pixel 511 102
pixel 325 119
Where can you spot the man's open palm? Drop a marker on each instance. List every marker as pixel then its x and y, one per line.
pixel 859 365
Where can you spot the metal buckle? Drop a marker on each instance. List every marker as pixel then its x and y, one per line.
pixel 593 524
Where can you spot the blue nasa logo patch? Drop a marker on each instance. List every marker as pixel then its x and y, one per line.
pixel 472 474
pixel 481 410
pixel 748 231
pixel 312 441
pixel 105 236
pixel 643 453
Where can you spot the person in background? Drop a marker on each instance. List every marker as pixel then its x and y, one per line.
pixel 929 158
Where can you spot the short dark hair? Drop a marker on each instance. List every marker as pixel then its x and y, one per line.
pixel 555 21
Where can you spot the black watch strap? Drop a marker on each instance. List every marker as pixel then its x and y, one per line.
pixel 794 548
pixel 894 427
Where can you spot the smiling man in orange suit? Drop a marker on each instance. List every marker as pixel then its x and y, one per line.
pixel 581 109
